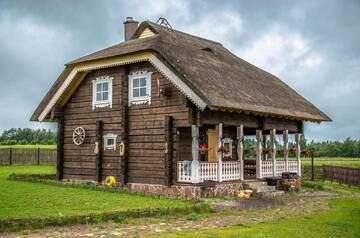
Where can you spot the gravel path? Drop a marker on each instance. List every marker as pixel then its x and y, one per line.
pixel 227 213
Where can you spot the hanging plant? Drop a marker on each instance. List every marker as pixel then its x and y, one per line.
pixel 203 148
pixel 292 150
pixel 307 153
pixel 268 150
pixel 249 149
pixel 221 149
pixel 283 152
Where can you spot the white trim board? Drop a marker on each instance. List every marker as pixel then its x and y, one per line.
pixel 122 60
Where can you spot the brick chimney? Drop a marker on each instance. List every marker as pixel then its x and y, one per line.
pixel 130 26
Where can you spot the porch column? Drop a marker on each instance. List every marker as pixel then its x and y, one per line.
pixel 258 153
pixel 265 138
pixel 240 149
pixel 219 130
pixel 298 151
pixel 273 150
pixel 286 148
pixel 195 154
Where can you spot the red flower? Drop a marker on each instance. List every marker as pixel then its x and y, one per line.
pixel 203 147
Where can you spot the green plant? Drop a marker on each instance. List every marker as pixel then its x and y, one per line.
pixel 193 217
pixel 312 184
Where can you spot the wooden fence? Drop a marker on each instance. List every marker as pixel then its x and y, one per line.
pixel 346 175
pixel 306 172
pixel 33 156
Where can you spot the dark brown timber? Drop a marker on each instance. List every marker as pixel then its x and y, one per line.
pixel 168 151
pixel 99 155
pixel 60 150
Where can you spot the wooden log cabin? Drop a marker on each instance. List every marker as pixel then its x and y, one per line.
pixel 167 108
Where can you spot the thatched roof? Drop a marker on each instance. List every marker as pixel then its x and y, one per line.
pixel 218 77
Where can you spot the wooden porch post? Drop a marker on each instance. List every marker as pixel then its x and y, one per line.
pixel 240 149
pixel 258 153
pixel 195 154
pixel 286 148
pixel 298 151
pixel 273 152
pixel 219 130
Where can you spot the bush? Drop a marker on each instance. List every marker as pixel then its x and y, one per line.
pixel 311 184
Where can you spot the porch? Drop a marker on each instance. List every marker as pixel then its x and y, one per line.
pixel 235 166
pixel 230 171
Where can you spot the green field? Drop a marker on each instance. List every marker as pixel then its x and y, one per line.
pixel 26 199
pixel 338 161
pixel 29 146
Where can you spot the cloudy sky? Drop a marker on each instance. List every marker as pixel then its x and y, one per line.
pixel 311 45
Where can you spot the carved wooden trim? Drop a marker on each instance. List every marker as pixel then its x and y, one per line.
pixel 124 60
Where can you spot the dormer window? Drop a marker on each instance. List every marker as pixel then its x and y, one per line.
pixel 140 87
pixel 102 92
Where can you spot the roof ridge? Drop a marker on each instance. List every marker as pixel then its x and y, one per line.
pixel 183 33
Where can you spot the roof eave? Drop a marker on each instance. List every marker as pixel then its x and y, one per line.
pixel 317 119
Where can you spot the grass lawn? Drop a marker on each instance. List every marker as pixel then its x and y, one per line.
pixel 338 161
pixel 26 199
pixel 28 146
pixel 341 220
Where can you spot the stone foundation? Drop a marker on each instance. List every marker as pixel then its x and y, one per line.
pixel 186 191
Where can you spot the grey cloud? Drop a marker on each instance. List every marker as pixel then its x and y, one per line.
pixel 38 37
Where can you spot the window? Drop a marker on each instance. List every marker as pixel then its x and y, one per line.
pixel 227 144
pixel 140 87
pixel 102 92
pixel 110 141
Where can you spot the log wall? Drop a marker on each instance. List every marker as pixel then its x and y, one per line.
pixel 146 123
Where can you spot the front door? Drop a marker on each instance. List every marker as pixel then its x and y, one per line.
pixel 212 145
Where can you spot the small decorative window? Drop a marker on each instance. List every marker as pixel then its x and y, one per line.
pixel 140 87
pixel 110 141
pixel 102 92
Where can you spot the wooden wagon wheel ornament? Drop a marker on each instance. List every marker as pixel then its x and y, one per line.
pixel 78 135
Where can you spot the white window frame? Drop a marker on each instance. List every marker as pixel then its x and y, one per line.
pixel 102 103
pixel 138 75
pixel 230 142
pixel 109 136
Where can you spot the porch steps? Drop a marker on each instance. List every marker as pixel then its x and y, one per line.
pixel 262 189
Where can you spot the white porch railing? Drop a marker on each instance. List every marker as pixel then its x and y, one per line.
pixel 280 167
pixel 209 171
pixel 293 165
pixel 231 170
pixel 266 168
pixel 184 172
